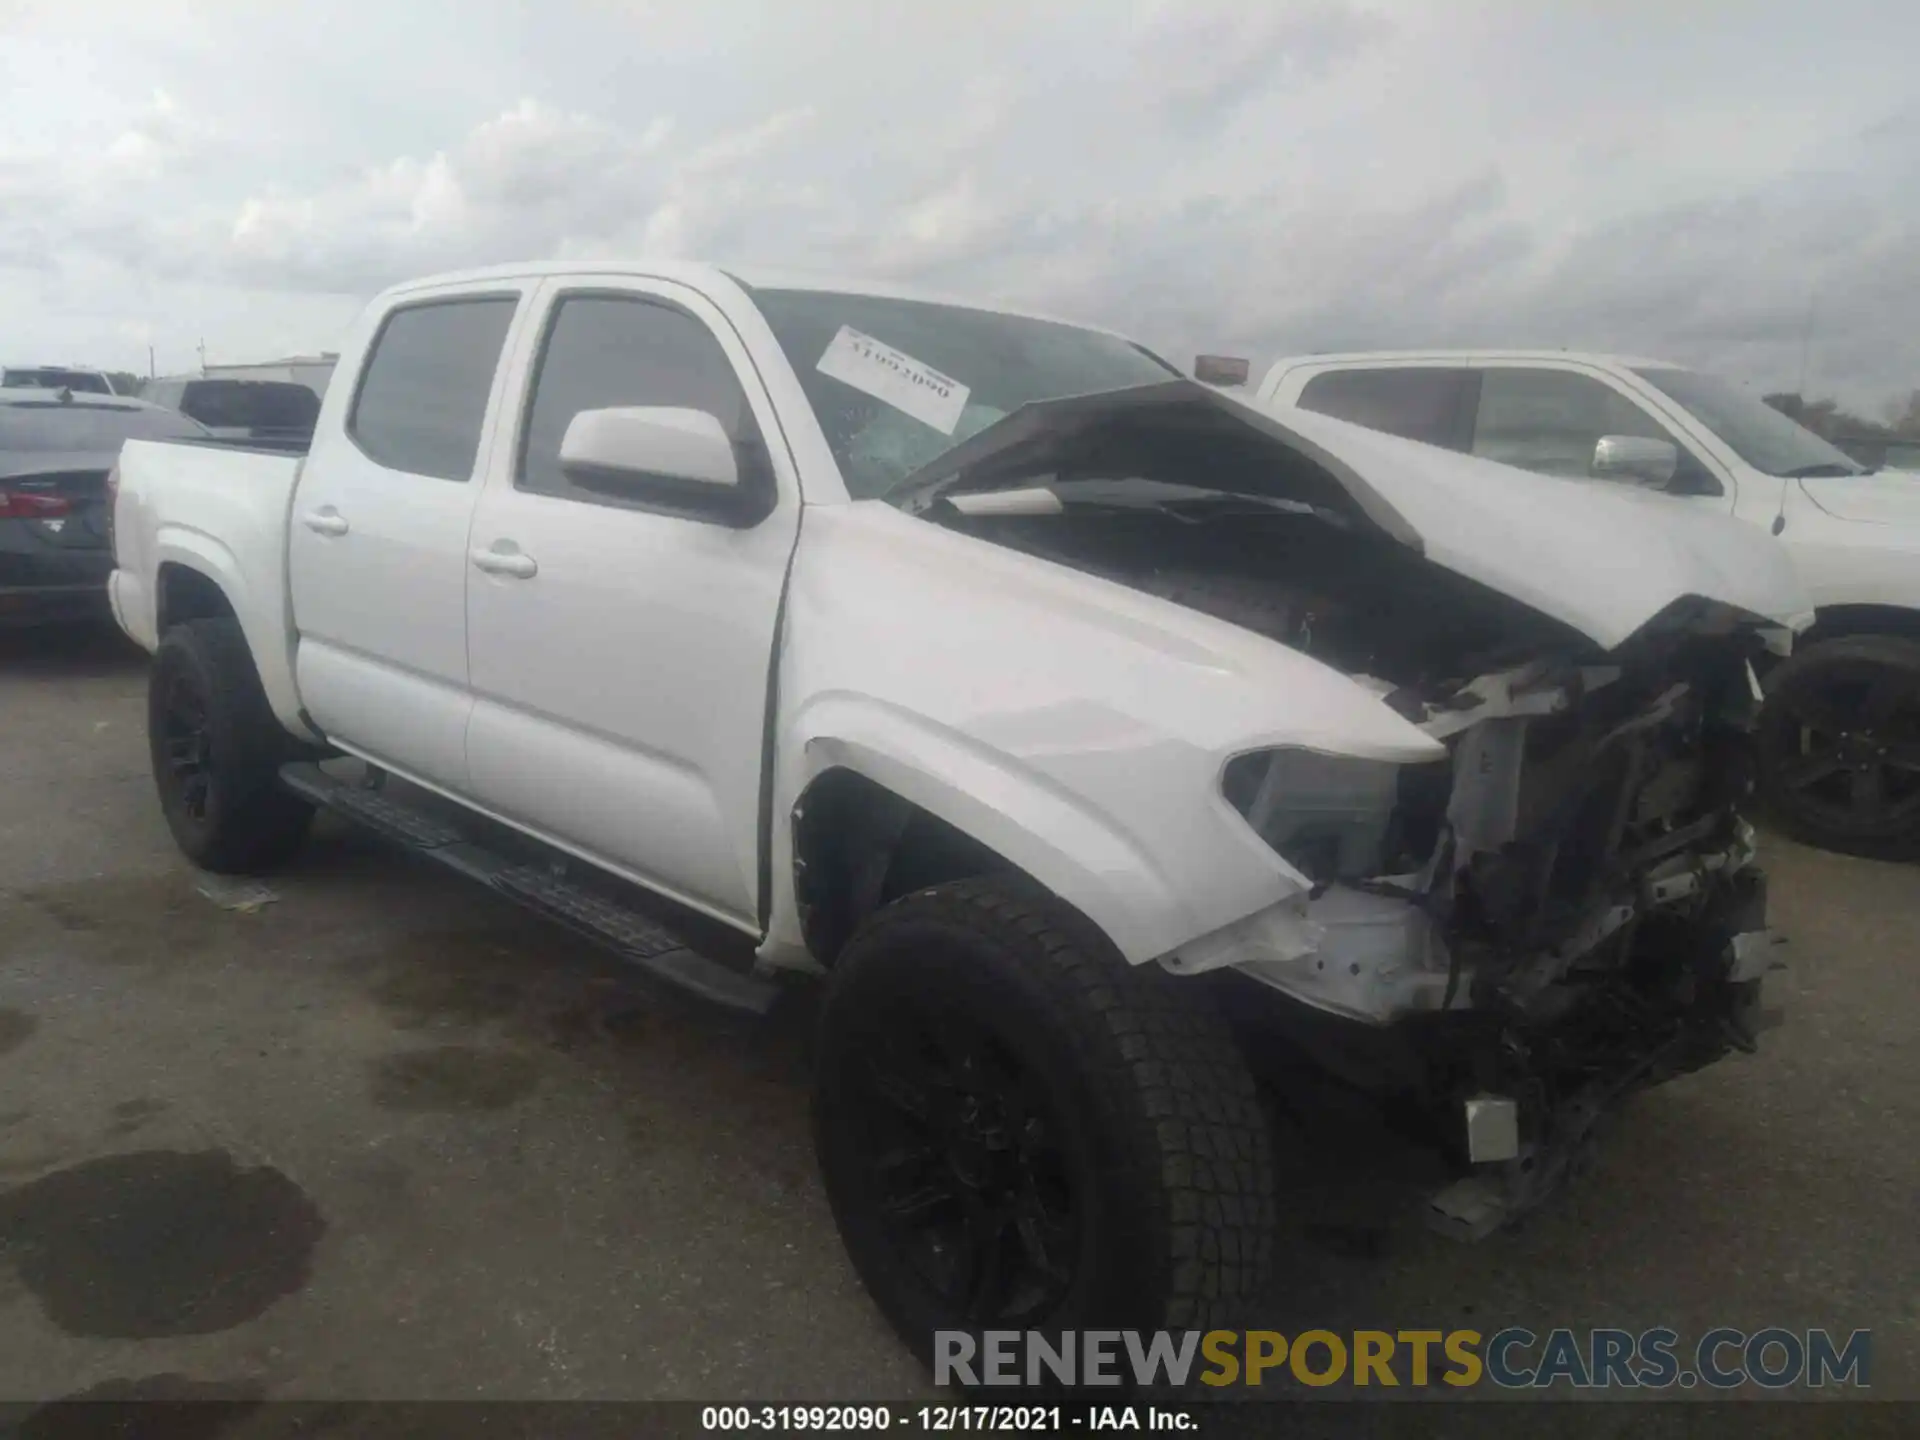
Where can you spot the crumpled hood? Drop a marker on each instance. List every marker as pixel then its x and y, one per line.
pixel 1601 558
pixel 1887 497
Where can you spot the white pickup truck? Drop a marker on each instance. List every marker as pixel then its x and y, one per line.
pixel 1839 740
pixel 1101 739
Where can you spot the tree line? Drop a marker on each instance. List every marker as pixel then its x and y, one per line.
pixel 1900 420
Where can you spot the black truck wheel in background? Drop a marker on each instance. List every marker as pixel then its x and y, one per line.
pixel 1018 1130
pixel 1840 745
pixel 217 752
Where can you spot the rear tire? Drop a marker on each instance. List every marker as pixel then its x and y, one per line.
pixel 1019 1130
pixel 217 750
pixel 1839 745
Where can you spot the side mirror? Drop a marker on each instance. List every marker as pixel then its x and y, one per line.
pixel 639 450
pixel 1635 460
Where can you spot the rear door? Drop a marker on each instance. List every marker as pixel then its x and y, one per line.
pixel 622 647
pixel 377 555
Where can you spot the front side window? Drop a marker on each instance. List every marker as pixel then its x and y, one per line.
pixel 423 393
pixel 1415 402
pixel 1549 421
pixel 608 351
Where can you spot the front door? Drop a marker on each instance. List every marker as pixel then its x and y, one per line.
pixel 377 558
pixel 620 650
pixel 1549 420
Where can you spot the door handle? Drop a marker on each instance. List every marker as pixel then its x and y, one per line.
pixel 325 522
pixel 506 562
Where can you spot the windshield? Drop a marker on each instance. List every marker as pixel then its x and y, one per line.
pixel 87 427
pixel 1752 429
pixel 47 379
pixel 895 383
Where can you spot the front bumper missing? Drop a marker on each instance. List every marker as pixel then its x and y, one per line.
pixel 1522 1152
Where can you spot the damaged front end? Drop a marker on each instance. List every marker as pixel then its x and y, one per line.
pixel 1564 907
pixel 1564 910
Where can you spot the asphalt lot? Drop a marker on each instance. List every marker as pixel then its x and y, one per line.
pixel 386 1137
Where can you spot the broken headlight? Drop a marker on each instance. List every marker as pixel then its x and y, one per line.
pixel 1336 817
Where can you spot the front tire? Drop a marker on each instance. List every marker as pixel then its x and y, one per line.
pixel 217 750
pixel 1019 1130
pixel 1839 745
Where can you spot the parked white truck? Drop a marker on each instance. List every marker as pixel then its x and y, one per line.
pixel 1100 738
pixel 1839 740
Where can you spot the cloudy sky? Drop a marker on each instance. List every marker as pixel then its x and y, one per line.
pixel 1695 179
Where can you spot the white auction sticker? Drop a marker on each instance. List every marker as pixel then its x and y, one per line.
pixel 900 380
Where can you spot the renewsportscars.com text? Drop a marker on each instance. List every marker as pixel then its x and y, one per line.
pixel 1723 1358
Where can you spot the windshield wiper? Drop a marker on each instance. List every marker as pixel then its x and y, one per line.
pixel 1824 470
pixel 1050 494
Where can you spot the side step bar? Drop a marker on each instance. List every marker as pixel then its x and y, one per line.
pixel 627 933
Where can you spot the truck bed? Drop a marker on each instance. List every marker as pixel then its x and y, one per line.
pixel 222 510
pixel 290 444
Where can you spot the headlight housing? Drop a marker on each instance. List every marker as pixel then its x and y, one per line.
pixel 1337 817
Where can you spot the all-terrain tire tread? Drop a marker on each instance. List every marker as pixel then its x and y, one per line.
pixel 262 823
pixel 1155 1050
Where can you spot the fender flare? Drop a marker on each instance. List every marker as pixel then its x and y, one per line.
pixel 209 557
pixel 1051 834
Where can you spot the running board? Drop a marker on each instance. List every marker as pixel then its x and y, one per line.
pixel 632 936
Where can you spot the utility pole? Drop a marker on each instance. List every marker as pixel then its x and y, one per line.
pixel 1806 342
pixel 203 354
pixel 150 362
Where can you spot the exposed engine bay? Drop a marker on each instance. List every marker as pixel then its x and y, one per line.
pixel 1565 907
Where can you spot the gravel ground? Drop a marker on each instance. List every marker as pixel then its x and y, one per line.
pixel 386 1137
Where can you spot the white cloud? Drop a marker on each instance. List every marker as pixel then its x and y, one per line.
pixel 1210 174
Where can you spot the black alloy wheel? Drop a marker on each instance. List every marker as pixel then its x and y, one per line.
pixel 1840 744
pixel 971 1172
pixel 216 751
pixel 1018 1130
pixel 187 739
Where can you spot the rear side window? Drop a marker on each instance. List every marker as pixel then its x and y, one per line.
pixel 1417 403
pixel 604 351
pixel 423 394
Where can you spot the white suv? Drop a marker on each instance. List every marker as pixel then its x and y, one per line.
pixel 1839 744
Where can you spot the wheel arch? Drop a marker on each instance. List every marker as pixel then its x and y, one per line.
pixel 858 845
pixel 1833 621
pixel 184 591
pixel 200 578
pixel 873 820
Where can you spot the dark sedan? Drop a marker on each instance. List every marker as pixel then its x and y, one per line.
pixel 56 448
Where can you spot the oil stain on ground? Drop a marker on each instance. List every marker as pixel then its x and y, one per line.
pixel 131 1115
pixel 418 996
pixel 154 1407
pixel 142 920
pixel 16 1026
pixel 158 1242
pixel 453 1077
